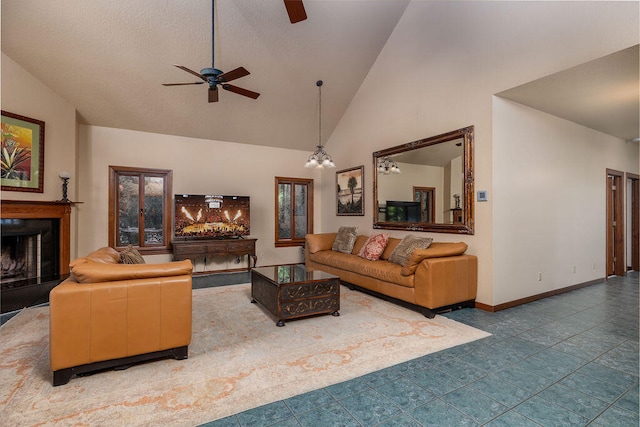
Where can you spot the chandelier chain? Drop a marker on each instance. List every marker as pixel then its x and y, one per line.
pixel 320 158
pixel 319 84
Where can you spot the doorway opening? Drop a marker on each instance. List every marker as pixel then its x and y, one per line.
pixel 633 218
pixel 615 262
pixel 427 198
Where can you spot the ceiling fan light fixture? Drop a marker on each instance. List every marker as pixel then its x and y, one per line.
pixel 320 159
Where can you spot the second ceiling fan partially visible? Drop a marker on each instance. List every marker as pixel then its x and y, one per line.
pixel 296 11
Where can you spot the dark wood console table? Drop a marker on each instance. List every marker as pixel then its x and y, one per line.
pixel 194 249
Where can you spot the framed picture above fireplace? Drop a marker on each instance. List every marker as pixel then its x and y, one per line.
pixel 22 153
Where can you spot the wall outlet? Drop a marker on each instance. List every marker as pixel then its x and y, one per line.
pixel 539 277
pixel 573 268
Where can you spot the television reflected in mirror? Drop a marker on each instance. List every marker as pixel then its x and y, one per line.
pixel 426 185
pixel 402 211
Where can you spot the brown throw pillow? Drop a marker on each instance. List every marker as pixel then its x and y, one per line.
pixel 345 239
pixel 131 256
pixel 401 253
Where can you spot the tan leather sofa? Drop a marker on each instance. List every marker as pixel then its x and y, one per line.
pixel 439 277
pixel 108 314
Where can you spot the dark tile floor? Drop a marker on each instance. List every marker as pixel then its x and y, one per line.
pixel 567 360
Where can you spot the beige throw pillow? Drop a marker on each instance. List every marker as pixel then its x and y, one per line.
pixel 345 239
pixel 401 253
pixel 131 256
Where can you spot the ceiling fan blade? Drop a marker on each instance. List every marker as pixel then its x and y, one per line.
pixel 296 11
pixel 213 94
pixel 195 73
pixel 181 84
pixel 241 91
pixel 233 74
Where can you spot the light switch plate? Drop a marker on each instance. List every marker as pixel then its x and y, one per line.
pixel 483 196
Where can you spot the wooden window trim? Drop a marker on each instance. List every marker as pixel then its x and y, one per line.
pixel 279 243
pixel 167 174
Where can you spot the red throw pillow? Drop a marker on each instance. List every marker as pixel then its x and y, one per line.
pixel 374 246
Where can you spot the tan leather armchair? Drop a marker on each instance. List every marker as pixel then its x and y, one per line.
pixel 108 314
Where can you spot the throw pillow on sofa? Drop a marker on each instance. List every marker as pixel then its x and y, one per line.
pixel 409 243
pixel 131 256
pixel 374 246
pixel 345 239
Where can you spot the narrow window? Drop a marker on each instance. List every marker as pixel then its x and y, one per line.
pixel 294 210
pixel 140 208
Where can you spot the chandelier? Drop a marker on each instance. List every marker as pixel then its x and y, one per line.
pixel 320 158
pixel 386 166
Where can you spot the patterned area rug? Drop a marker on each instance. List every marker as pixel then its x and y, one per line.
pixel 238 359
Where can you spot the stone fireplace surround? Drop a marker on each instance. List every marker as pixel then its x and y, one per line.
pixel 16 209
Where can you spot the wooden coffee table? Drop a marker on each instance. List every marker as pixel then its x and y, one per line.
pixel 291 291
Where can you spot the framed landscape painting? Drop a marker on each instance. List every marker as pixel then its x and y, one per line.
pixel 22 153
pixel 350 191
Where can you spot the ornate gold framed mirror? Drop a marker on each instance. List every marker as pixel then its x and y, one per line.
pixel 426 185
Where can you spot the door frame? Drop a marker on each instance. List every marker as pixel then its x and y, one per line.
pixel 429 203
pixel 634 222
pixel 616 260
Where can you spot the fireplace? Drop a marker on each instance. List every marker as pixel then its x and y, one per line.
pixel 30 250
pixel 35 239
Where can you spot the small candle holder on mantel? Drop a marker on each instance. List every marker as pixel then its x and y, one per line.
pixel 65 176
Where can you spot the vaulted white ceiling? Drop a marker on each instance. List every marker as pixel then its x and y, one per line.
pixel 109 58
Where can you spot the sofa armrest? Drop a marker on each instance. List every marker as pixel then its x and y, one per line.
pixel 444 281
pixel 319 242
pixel 435 250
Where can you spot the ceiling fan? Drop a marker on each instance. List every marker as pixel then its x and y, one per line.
pixel 215 77
pixel 296 11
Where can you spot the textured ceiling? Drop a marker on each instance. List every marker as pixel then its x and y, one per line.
pixel 109 58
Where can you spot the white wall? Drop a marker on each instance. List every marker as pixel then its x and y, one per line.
pixel 199 167
pixel 549 199
pixel 25 95
pixel 435 74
